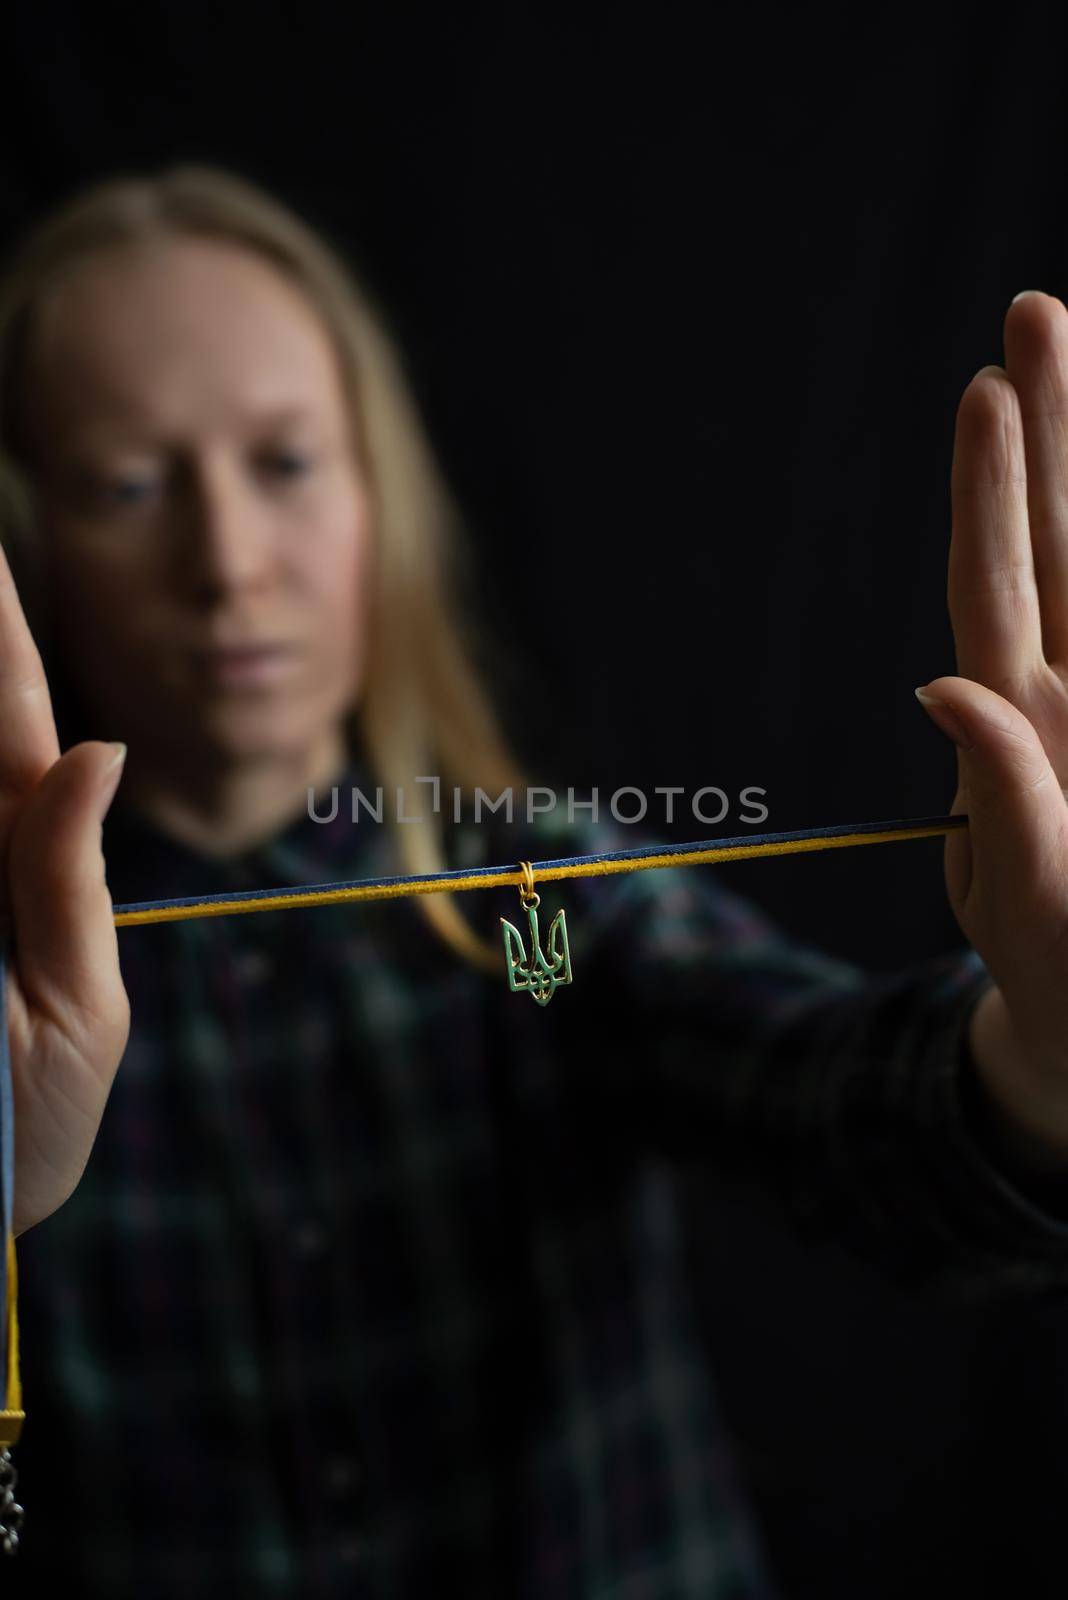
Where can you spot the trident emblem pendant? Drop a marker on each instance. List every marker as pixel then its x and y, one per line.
pixel 539 974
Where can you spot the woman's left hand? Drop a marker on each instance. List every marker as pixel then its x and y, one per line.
pixel 1007 872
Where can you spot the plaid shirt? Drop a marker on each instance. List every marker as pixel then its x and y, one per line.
pixel 373 1285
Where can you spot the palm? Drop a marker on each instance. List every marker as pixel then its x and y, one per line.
pixel 1045 705
pixel 68 1013
pixel 1043 699
pixel 1007 873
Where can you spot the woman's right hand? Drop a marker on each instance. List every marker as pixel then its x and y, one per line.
pixel 67 1009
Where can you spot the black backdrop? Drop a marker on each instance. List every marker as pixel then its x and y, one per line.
pixel 689 309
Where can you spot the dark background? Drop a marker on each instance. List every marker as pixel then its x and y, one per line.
pixel 689 308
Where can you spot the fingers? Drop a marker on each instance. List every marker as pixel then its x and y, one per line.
pixel 993 595
pixel 1036 360
pixel 1017 818
pixel 28 740
pixel 66 943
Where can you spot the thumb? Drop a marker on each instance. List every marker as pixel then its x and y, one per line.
pixel 66 944
pixel 1017 836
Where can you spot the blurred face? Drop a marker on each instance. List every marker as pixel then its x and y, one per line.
pixel 206 527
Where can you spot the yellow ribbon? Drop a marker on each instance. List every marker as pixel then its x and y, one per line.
pixel 13 1417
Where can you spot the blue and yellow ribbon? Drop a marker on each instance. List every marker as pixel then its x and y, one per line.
pixel 702 852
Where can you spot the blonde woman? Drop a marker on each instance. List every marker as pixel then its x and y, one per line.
pixel 343 1270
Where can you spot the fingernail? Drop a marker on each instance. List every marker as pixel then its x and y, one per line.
pixel 111 777
pixel 1022 294
pixel 944 718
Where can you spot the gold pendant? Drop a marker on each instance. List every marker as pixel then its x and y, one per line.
pixel 540 974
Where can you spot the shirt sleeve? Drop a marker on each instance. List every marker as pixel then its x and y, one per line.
pixel 708 1035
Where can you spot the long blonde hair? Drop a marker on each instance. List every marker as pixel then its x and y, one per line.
pixel 423 709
